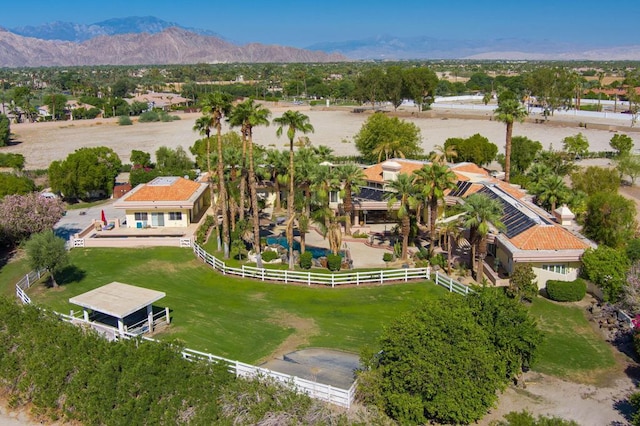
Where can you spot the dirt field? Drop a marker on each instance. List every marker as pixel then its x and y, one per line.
pixel 42 143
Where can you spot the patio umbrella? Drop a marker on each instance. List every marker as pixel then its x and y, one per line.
pixel 104 218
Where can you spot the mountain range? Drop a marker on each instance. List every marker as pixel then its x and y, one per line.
pixel 149 40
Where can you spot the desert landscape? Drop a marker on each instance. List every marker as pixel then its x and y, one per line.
pixel 42 143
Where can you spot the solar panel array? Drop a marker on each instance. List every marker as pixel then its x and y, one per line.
pixel 461 189
pixel 371 194
pixel 515 221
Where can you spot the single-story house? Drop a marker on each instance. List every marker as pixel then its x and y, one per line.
pixel 532 236
pixel 166 201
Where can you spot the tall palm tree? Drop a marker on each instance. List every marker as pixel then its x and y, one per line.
pixel 481 213
pixel 306 169
pixel 217 105
pixel 250 114
pixel 433 180
pixel 352 178
pixel 293 121
pixel 403 192
pixel 508 111
pixel 552 190
pixel 277 163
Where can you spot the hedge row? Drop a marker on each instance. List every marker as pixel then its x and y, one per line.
pixel 567 291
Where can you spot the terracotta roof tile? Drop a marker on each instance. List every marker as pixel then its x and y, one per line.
pixel 469 168
pixel 548 237
pixel 374 173
pixel 180 190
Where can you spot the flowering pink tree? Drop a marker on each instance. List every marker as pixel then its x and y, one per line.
pixel 23 215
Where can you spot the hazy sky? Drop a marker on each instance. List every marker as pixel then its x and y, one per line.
pixel 300 23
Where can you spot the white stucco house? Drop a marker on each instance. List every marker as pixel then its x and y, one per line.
pixel 167 201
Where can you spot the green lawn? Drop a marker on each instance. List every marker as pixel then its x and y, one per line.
pixel 235 318
pixel 10 274
pixel 247 320
pixel 571 348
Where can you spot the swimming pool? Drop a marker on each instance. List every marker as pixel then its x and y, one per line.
pixel 315 251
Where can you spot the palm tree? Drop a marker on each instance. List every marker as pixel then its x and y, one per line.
pixel 433 180
pixel 248 115
pixel 508 111
pixel 481 212
pixel 277 165
pixel 552 190
pixel 352 178
pixel 443 154
pixel 403 192
pixel 454 234
pixel 293 121
pixel 306 174
pixel 390 149
pixel 217 105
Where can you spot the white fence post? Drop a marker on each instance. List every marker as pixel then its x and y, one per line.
pixel 357 278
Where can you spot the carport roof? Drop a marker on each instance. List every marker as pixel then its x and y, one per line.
pixel 117 299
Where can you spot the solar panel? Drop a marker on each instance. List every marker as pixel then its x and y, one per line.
pixel 515 221
pixel 371 194
pixel 461 189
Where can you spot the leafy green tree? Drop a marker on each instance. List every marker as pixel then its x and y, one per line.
pixel 137 107
pixel 523 285
pixel 523 153
pixel 508 112
pixel 481 212
pixel 46 251
pixel 445 361
pixel 594 179
pixel 606 267
pixel 420 84
pixel 84 172
pixel 140 158
pixel 402 192
pixel 577 145
pixel 13 184
pixel 633 250
pixel 629 165
pixel 610 219
pixel 173 162
pixel 370 86
pixel 558 162
pixel 57 104
pixel 5 130
pixel 394 85
pixel 380 129
pixel 475 149
pixel 621 143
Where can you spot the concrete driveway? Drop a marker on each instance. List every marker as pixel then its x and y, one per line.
pixel 76 220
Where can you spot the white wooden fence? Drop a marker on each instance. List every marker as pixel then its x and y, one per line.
pixel 357 278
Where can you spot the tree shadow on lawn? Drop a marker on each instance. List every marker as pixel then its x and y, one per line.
pixel 68 275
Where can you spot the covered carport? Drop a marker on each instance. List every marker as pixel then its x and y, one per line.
pixel 120 301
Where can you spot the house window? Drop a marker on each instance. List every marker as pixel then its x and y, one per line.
pixel 175 215
pixel 333 197
pixel 141 216
pixel 558 269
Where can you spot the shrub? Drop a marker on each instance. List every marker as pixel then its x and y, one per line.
pixel 438 260
pixel 334 262
pixel 269 255
pixel 148 116
pixel 566 291
pixel 387 257
pixel 203 231
pixel 124 120
pixel 306 260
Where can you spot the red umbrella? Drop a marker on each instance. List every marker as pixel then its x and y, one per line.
pixel 104 218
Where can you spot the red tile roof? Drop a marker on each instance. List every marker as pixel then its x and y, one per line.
pixel 180 190
pixel 548 237
pixel 374 173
